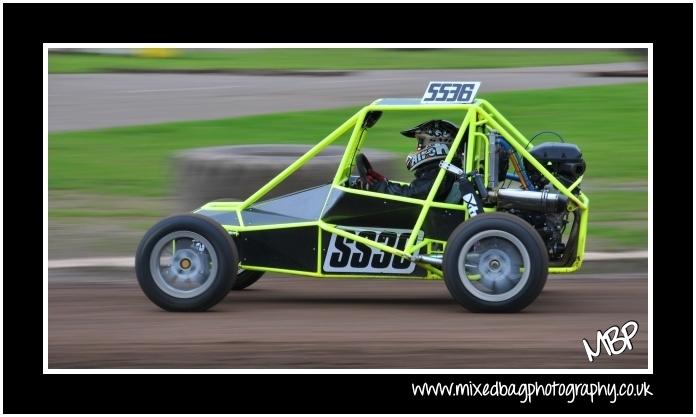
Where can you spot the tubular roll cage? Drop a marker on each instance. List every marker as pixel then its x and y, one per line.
pixel 477 114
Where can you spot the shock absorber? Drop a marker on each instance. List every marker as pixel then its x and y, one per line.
pixel 492 158
pixel 517 165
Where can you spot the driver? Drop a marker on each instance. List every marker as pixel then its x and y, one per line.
pixel 434 140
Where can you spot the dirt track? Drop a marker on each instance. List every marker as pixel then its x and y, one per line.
pixel 101 319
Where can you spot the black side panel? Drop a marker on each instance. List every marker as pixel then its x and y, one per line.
pixel 439 223
pixel 359 210
pixel 348 209
pixel 292 248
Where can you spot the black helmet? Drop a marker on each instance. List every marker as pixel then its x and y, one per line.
pixel 437 131
pixel 434 139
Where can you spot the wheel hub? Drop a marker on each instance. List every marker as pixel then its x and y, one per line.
pixel 494 264
pixel 185 263
pixel 188 265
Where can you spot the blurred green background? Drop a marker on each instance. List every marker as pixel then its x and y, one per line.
pixel 330 59
pixel 118 179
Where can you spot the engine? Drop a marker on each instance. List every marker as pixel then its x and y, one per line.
pixel 545 208
pixel 563 160
pixel 550 227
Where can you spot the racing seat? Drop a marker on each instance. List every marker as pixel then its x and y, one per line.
pixel 455 194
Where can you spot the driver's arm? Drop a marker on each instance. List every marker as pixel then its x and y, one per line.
pixel 418 188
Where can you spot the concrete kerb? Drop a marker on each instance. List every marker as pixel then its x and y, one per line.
pixel 207 174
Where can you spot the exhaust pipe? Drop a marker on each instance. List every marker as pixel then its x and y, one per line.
pixel 435 260
pixel 539 201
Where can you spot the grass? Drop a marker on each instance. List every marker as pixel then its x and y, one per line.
pixel 609 123
pixel 619 218
pixel 65 213
pixel 335 59
pixel 620 236
pixel 618 206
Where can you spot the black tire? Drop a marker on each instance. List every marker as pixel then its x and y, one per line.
pixel 500 256
pixel 218 266
pixel 245 279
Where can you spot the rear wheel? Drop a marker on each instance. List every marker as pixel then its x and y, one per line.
pixel 495 263
pixel 186 263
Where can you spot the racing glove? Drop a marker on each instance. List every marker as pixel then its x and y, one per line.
pixel 374 177
pixel 369 180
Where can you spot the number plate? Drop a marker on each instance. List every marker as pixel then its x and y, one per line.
pixel 450 92
pixel 345 255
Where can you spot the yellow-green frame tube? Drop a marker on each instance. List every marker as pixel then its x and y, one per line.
pixel 299 162
pixel 436 185
pixel 323 275
pixel 239 228
pixel 319 250
pixel 582 236
pixel 351 148
pixel 576 183
pixel 421 107
pixel 582 239
pixel 431 269
pixel 488 107
pixel 420 245
pixel 526 155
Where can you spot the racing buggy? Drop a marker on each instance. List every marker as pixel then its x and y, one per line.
pixel 514 213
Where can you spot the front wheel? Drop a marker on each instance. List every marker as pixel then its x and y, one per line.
pixel 495 263
pixel 186 263
pixel 245 278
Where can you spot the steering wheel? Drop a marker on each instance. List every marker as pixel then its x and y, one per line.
pixel 363 165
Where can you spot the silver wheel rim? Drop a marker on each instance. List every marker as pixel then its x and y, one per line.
pixel 183 264
pixel 494 265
